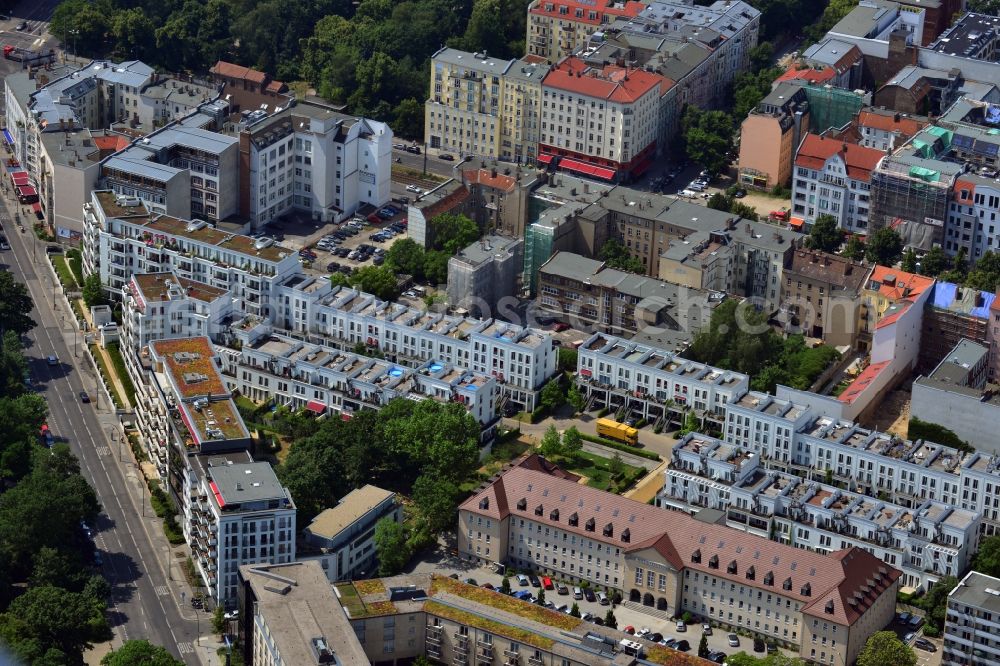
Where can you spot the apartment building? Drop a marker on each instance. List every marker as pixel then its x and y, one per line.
pixel 236 513
pixel 159 306
pixel 927 542
pixel 821 296
pixel 770 134
pixel 601 121
pixel 308 157
pixel 122 237
pixel 954 314
pixel 558 29
pixel 877 19
pixel 521 108
pixel 325 380
pixel 341 538
pixel 973 35
pixel 827 604
pixel 887 130
pixel 650 383
pixel 486 272
pixel 588 294
pixel 834 178
pixel 970 626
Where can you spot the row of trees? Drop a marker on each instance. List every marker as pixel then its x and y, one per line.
pixel 449 234
pixel 884 246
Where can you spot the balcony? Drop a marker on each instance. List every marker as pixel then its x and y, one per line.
pixel 535 661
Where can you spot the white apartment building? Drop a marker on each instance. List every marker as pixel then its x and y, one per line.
pixel 323 380
pixel 651 383
pixel 972 216
pixel 927 542
pixel 765 425
pixel 310 158
pixel 834 178
pixel 122 238
pixel 236 512
pixel 160 306
pixel 971 625
pixel 601 121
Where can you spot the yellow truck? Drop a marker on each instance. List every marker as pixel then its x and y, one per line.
pixel 617 431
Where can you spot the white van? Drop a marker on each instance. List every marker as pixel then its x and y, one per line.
pixel 577 593
pixel 602 599
pixel 689 194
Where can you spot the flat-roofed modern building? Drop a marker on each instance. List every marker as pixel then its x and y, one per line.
pixel 341 538
pixel 972 622
pixel 826 604
pixel 163 305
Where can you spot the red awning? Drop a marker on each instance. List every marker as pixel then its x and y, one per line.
pixel 37 207
pixel 544 159
pixel 589 169
pixel 316 406
pixel 606 174
pixel 796 223
pixel 218 495
pixel 26 191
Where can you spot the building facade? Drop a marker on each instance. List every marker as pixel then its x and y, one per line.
pixel 770 136
pixel 970 625
pixel 821 296
pixel 558 29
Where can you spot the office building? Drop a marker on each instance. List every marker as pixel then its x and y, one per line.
pixel 485 273
pixel 834 178
pixel 927 542
pixel 970 625
pixel 341 538
pixel 677 561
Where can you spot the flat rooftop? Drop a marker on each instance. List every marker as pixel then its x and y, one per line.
pixel 245 483
pixel 979 591
pixel 352 506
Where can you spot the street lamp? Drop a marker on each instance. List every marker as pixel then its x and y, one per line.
pixel 75 33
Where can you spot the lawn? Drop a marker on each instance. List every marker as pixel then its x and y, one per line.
pixel 463 617
pixel 502 602
pixel 119 362
pixel 350 600
pixel 597 469
pixel 64 273
pixel 99 357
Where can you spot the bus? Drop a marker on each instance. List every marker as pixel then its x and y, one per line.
pixel 617 431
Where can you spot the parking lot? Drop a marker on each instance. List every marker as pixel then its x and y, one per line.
pixel 442 562
pixel 911 634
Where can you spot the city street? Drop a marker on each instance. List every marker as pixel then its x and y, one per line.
pixel 144 604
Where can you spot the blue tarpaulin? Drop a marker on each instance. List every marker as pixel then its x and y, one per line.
pixel 945 294
pixel 7 137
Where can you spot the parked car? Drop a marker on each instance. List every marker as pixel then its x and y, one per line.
pixel 903 617
pixel 561 326
pixel 924 644
pixel 522 580
pixel 471 581
pixel 414 189
pixel 413 149
pixel 379 260
pixel 231 615
pixel 716 657
pixel 682 645
pixel 915 621
pixel 53 249
pixel 562 608
pixel 642 633
pixel 546 581
pixel 706 629
pixel 681 626
pixel 670 642
pixel 771 648
pixel 734 640
pixel 740 193
pixel 655 637
pixel 629 629
pixel 589 595
pixel 447 157
pixel 488 586
pixel 758 645
pixel 562 589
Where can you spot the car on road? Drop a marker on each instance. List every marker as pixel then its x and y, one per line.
pixel 925 645
pixel 84 397
pixel 52 360
pixel 734 640
pixel 399 146
pixel 447 157
pixel 4 245
pixel 681 625
pixel 414 189
pixel 98 558
pixel 413 149
pixel 758 645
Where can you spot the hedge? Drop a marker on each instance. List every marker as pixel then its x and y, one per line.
pixel 64 273
pixel 642 453
pixel 126 381
pixel 106 375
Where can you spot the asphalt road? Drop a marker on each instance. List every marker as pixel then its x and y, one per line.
pixel 144 603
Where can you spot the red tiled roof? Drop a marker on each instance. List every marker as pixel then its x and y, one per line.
pixel 816 150
pixel 447 203
pixel 904 285
pixel 856 387
pixel 613 83
pixel 276 87
pixel 821 75
pixel 111 142
pixel 540 464
pixel 234 71
pixel 889 123
pixel 681 539
pixel 631 8
pixel 995 305
pixel 490 179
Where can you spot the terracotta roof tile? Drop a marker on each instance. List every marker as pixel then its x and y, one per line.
pixel 903 285
pixel 816 150
pixel 631 8
pixel 490 179
pixel 234 71
pixel 820 75
pixel 613 83
pixel 889 122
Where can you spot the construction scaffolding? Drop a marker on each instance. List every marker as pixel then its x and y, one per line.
pixel 538 239
pixel 831 107
pixel 911 195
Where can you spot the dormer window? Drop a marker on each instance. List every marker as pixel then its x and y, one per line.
pixel 484 503
pixel 574 520
pixel 591 525
pixel 713 562
pixel 732 567
pixel 522 504
pixel 539 510
pixel 806 590
pixel 829 607
pixel 696 556
pixel 626 535
pixel 554 514
pixel 787 585
pixel 751 573
pixel 609 530
pixel 769 578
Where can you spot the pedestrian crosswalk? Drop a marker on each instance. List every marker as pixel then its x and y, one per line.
pixel 161 590
pixel 103 450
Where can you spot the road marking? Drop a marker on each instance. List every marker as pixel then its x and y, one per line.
pixel 185 647
pixel 162 590
pixel 103 450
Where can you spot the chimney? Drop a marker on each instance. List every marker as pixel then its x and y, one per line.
pixel 895 118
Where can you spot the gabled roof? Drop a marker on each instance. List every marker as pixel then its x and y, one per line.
pixel 234 71
pixel 815 150
pixel 819 75
pixel 613 83
pixel 897 285
pixel 891 122
pixel 628 8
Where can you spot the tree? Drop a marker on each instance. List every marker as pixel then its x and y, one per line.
pixel 855 248
pixel 134 33
pixel 551 444
pixel 991 7
pixel 435 499
pixel 987 558
pixel 56 569
pixel 825 235
pixel 390 546
pixel 575 610
pixel 909 263
pixel 452 233
pixel 409 121
pixel 761 56
pixel 572 442
pixel 935 602
pixel 884 247
pixel 985 275
pixel 314 470
pixel 703 646
pixel 338 279
pixel 616 465
pixel 505 585
pixel 15 304
pixel 406 256
pixel 377 280
pixel 567 359
pixel 219 620
pixel 552 395
pixel 885 649
pixel 574 397
pixel 92 291
pixel 690 423
pixel 540 600
pixel 616 255
pixel 708 137
pixel 934 262
pixel 47 617
pixel 610 620
pixel 140 653
pixel 436 266
pixel 961 263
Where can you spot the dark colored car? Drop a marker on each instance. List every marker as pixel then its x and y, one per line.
pixel 84 397
pixel 682 645
pixel 758 645
pixel 413 149
pixel 589 595
pixel 924 644
pixel 655 637
pixel 447 157
pixel 533 579
pixel 471 581
pixel 332 266
pixel 53 249
pixel 716 657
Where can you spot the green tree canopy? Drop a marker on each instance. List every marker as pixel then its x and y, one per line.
pixel 855 248
pixel 551 444
pixel 987 558
pixel 92 291
pixel 572 442
pixel 884 247
pixel 377 280
pixel 436 500
pixel 140 653
pixel 985 275
pixel 825 234
pixel 909 262
pixel 934 262
pixel 390 545
pixel 885 649
pixel 451 233
pixel 552 395
pixel 406 256
pixel 47 617
pixel 708 137
pixel 15 304
pixel 616 255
